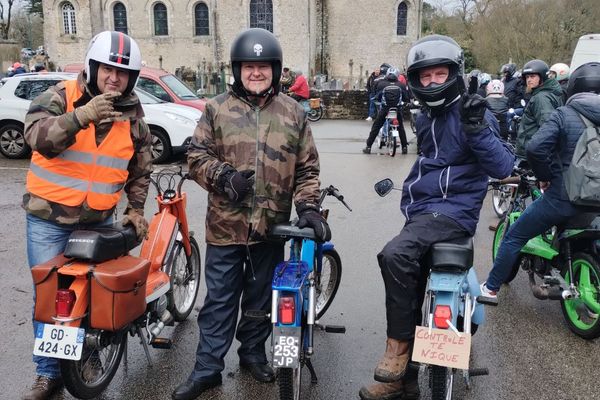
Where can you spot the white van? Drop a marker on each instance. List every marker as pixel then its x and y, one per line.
pixel 587 49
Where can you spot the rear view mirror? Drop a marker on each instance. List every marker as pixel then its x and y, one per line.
pixel 383 187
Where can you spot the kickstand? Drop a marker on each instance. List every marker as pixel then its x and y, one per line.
pixel 144 345
pixel 313 374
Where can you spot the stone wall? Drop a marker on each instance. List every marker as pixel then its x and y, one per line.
pixel 343 104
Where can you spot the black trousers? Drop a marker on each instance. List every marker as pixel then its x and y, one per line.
pixel 404 277
pixel 229 276
pixel 378 123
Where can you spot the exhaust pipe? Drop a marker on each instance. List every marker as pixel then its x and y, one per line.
pixel 545 293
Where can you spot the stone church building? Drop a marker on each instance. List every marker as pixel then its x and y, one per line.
pixel 339 38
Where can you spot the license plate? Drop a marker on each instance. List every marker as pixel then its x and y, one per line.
pixel 395 133
pixel 57 341
pixel 286 347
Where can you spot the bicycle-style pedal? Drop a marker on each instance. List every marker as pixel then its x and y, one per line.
pixel 161 343
pixel 259 315
pixel 334 329
pixel 551 280
pixel 487 301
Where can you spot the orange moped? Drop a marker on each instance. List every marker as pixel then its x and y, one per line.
pixel 95 294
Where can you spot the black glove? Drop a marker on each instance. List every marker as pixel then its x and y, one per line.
pixel 235 184
pixel 309 216
pixel 472 112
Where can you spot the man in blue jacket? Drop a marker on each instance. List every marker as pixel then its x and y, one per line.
pixel 549 152
pixel 442 197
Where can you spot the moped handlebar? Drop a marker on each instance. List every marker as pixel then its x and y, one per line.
pixel 166 183
pixel 333 191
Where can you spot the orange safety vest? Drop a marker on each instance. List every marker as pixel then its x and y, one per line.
pixel 84 171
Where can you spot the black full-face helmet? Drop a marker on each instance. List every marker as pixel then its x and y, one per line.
pixel 432 51
pixel 586 78
pixel 256 45
pixel 508 70
pixel 383 68
pixel 538 67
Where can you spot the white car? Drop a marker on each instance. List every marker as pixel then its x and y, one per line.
pixel 171 125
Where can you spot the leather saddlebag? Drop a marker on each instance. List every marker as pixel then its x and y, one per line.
pixel 45 280
pixel 118 292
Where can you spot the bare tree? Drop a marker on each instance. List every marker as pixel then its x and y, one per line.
pixel 5 23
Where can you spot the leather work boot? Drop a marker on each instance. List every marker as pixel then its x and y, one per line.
pixel 367 150
pixel 406 388
pixel 393 364
pixel 43 388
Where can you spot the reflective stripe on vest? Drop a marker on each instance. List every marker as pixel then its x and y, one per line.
pixel 84 172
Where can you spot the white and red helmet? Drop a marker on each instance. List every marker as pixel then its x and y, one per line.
pixel 116 49
pixel 562 71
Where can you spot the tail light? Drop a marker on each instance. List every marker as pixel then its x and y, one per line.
pixel 441 316
pixel 395 122
pixel 65 299
pixel 287 310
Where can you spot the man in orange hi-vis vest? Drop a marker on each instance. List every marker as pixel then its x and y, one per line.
pixel 90 144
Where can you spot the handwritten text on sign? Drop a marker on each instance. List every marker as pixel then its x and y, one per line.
pixel 442 347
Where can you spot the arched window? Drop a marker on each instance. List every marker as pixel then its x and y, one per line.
pixel 120 17
pixel 68 14
pixel 401 23
pixel 161 26
pixel 261 14
pixel 201 19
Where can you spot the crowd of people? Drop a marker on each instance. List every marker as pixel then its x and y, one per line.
pixel 254 153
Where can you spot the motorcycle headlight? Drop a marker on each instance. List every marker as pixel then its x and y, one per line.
pixel 181 119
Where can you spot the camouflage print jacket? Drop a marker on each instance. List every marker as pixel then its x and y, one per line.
pixel 49 130
pixel 276 142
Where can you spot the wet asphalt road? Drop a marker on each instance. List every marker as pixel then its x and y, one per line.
pixel 527 347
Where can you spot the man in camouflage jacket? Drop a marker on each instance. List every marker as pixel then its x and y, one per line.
pixel 254 153
pixel 60 127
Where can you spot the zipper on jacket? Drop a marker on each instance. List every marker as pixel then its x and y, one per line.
pixel 442 189
pixel 433 136
pixel 412 199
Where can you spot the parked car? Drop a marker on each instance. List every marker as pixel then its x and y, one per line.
pixel 586 50
pixel 171 125
pixel 16 94
pixel 161 84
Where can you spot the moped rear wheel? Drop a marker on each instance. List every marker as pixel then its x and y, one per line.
pixel 582 314
pixel 498 236
pixel 100 359
pixel 328 281
pixel 185 280
pixel 315 114
pixel 441 382
pixel 289 380
pixel 391 145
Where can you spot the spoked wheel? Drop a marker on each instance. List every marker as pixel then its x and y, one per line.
pixel 289 383
pixel 380 140
pixel 315 114
pixel 100 359
pixel 391 145
pixel 583 313
pixel 501 200
pixel 441 380
pixel 185 280
pixel 498 236
pixel 328 281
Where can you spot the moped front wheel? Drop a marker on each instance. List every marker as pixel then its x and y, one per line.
pixel 441 382
pixel 501 200
pixel 289 380
pixel 328 281
pixel 582 314
pixel 87 378
pixel 391 145
pixel 185 280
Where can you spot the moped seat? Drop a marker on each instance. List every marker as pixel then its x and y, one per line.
pixel 582 221
pixel 101 244
pixel 452 255
pixel 287 231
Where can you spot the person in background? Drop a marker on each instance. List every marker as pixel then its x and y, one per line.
pixel 18 68
pixel 482 80
pixel 286 80
pixel 370 93
pixel 498 105
pixel 253 151
pixel 561 72
pixel 89 130
pixel 546 96
pixel 299 89
pixel 441 198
